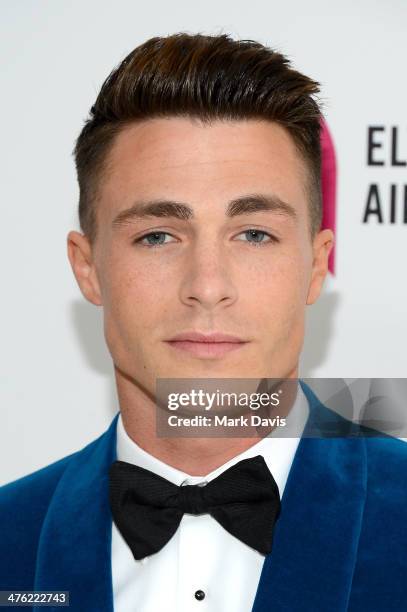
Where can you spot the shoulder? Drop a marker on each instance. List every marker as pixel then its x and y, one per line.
pixel 384 516
pixel 31 492
pixel 25 502
pixel 23 507
pixel 381 559
pixel 386 459
pixel 34 489
pixel 393 449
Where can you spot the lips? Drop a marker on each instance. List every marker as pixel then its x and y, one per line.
pixel 206 346
pixel 195 336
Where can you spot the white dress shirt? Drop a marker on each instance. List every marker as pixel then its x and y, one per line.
pixel 202 555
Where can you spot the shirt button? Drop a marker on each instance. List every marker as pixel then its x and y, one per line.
pixel 199 595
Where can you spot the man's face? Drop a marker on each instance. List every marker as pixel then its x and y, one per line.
pixel 249 274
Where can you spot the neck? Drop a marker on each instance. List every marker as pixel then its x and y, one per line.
pixel 195 456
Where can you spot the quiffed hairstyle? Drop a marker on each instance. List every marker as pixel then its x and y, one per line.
pixel 205 77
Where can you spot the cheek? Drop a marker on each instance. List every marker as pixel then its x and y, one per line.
pixel 283 297
pixel 133 286
pixel 285 279
pixel 130 303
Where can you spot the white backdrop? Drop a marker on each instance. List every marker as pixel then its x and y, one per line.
pixel 57 386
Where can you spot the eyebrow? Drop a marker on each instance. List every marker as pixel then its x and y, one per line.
pixel 169 208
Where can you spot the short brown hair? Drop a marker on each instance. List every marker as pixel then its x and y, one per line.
pixel 209 77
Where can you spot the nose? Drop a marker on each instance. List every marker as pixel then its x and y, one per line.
pixel 208 279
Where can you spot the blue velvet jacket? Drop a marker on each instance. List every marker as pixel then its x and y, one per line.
pixel 340 542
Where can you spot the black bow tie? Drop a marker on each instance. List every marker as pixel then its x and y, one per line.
pixel 147 508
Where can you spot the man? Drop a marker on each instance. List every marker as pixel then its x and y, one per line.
pixel 200 210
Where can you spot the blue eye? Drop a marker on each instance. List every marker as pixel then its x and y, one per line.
pixel 257 236
pixel 155 236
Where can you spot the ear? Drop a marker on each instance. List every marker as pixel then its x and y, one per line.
pixel 322 245
pixel 81 259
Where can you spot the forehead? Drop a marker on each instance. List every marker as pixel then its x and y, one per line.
pixel 184 159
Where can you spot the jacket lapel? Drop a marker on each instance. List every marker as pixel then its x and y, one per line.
pixel 74 551
pixel 316 536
